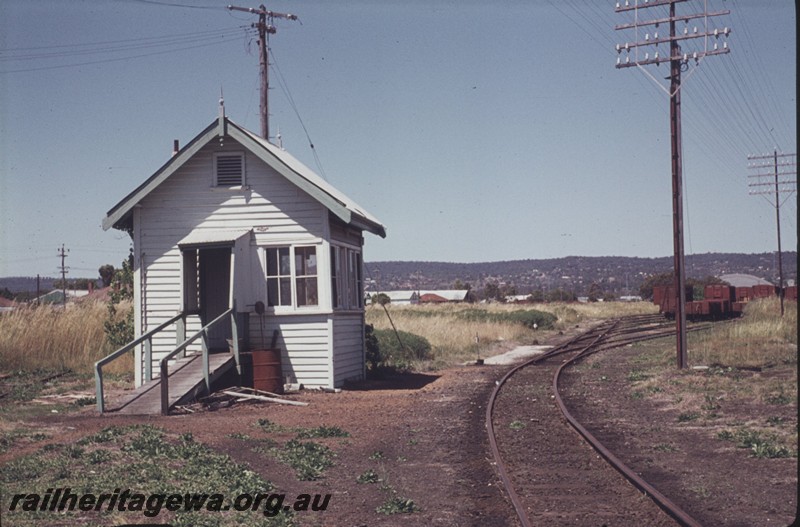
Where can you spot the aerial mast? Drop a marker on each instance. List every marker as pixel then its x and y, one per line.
pixel 264 27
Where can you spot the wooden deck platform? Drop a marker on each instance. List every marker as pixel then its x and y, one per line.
pixel 185 382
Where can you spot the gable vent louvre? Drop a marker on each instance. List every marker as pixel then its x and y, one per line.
pixel 229 170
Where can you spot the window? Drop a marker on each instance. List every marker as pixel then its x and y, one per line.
pixel 346 280
pixel 279 277
pixel 292 276
pixel 228 169
pixel 354 278
pixel 305 266
pixel 336 274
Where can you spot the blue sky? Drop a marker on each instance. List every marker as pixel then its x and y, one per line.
pixel 474 131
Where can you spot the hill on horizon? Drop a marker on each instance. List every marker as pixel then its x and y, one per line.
pixel 620 275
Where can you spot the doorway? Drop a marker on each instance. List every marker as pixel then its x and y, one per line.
pixel 207 282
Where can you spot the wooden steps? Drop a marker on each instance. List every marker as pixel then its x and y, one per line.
pixel 185 382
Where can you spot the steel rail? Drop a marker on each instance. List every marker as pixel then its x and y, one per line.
pixel 500 466
pixel 600 338
pixel 661 500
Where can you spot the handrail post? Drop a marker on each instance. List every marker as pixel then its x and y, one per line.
pixel 180 332
pixel 148 359
pixel 235 337
pixel 164 387
pixel 98 381
pixel 204 345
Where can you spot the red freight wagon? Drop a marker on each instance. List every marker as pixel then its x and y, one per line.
pixel 764 291
pixel 790 293
pixel 744 294
pixel 719 292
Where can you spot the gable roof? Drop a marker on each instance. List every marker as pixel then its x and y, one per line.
pixel 285 164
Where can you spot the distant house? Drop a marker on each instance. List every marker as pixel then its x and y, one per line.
pixel 232 221
pixel 7 305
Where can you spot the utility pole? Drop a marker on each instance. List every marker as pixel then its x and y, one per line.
pixel 264 27
pixel 64 270
pixel 679 62
pixel 760 184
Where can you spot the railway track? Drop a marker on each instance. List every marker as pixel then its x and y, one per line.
pixel 554 476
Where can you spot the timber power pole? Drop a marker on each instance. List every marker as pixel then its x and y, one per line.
pixel 265 28
pixel 62 253
pixel 679 61
pixel 761 183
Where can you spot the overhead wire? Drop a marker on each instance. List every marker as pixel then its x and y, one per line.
pixel 183 44
pixel 285 89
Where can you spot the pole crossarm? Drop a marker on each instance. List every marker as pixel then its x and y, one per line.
pixel 685 57
pixel 666 20
pixel 655 3
pixel 262 11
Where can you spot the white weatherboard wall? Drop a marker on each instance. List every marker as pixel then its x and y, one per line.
pixel 277 211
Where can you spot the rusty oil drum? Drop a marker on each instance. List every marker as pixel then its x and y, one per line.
pixel 267 375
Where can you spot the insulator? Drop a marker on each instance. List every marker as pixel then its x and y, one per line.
pixel 686 30
pixel 627 48
pixel 685 57
pixel 619 59
pixel 628 59
pixel 617 5
pixel 695 30
pixel 726 31
pixel 716 33
pixel 655 35
pixel 715 46
pixel 694 55
pixel 724 45
pixel 626 3
pixel 619 49
pixel 647 56
pixel 647 36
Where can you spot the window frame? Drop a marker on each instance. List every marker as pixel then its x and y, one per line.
pixel 347 283
pixel 293 278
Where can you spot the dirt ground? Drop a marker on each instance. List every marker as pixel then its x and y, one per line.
pixel 422 437
pixel 680 452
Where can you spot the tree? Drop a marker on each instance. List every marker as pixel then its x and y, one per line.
pixel 106 274
pixel 381 299
pixel 595 292
pixel 491 291
pixel 120 332
pixel 646 289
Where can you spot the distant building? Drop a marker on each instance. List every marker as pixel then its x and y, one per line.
pixel 743 280
pixel 401 298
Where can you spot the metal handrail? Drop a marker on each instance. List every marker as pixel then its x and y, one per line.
pixel 146 338
pixel 164 362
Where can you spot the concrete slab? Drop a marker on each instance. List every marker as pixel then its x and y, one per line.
pixel 518 354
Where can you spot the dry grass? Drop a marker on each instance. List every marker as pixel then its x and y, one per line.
pixel 455 340
pixel 761 338
pixel 54 338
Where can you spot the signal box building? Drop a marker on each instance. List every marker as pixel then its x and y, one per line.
pixel 231 220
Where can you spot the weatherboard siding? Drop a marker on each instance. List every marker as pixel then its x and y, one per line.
pixel 348 341
pixel 304 344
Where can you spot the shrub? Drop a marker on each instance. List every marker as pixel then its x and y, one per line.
pixel 392 353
